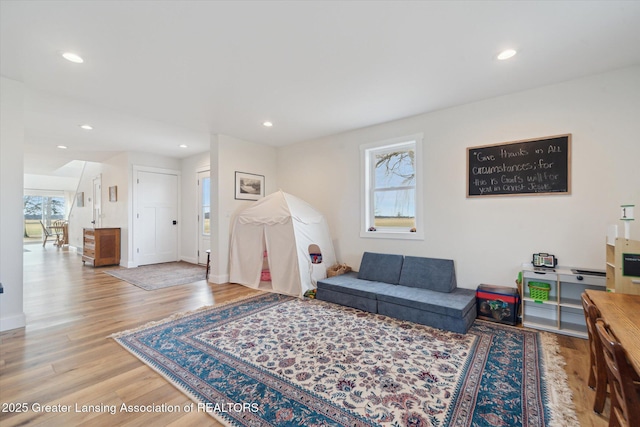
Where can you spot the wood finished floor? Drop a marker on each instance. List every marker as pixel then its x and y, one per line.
pixel 64 356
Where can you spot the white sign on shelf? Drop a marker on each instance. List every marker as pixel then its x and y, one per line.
pixel 626 212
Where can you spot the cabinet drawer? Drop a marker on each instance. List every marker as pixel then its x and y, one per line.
pixel 540 276
pixel 586 280
pixel 89 245
pixel 89 252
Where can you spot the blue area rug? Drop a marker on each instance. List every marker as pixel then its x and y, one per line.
pixel 278 361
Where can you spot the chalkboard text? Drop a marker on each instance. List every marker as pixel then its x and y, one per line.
pixel 539 166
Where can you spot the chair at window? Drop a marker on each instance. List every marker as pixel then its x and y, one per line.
pixel 624 381
pixel 47 233
pixel 597 367
pixel 62 228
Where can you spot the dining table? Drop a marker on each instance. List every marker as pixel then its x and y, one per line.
pixel 622 313
pixel 62 233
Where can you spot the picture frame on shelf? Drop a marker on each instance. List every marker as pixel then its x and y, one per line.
pixel 249 186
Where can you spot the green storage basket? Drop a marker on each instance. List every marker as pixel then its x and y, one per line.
pixel 539 291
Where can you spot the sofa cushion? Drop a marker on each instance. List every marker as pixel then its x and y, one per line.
pixel 454 304
pixel 343 298
pixel 349 284
pixel 429 318
pixel 380 267
pixel 428 273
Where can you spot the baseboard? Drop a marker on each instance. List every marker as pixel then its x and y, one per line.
pixel 219 279
pixel 13 322
pixel 190 260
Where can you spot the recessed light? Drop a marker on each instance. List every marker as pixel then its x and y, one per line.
pixel 506 54
pixel 267 124
pixel 183 145
pixel 70 56
pixel 62 147
pixel 86 127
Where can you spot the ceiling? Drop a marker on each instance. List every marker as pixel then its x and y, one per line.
pixel 160 74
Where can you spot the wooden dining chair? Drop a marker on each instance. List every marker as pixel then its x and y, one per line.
pixel 597 368
pixel 46 233
pixel 61 227
pixel 624 381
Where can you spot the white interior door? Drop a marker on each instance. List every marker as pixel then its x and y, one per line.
pixel 96 202
pixel 204 215
pixel 156 217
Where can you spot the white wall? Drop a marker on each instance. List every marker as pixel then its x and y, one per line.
pixel 112 172
pixel 49 182
pixel 11 207
pixel 489 238
pixel 229 155
pixel 115 171
pixel 81 216
pixel 189 190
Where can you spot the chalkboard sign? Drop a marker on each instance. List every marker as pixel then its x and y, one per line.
pixel 528 167
pixel 631 265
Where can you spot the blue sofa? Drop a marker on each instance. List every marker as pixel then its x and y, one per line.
pixel 417 289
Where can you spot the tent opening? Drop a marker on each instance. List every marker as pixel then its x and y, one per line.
pixel 315 254
pixel 265 275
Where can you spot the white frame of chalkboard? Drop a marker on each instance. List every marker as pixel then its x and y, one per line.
pixel 551 193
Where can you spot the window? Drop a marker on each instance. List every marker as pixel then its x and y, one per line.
pixel 206 206
pixel 45 208
pixel 391 190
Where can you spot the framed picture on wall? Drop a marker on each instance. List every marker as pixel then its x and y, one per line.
pixel 249 186
pixel 80 199
pixel 113 193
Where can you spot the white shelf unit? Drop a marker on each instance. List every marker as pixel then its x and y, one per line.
pixel 616 280
pixel 562 312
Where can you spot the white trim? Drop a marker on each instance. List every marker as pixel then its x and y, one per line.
pixel 365 194
pixel 13 322
pixel 189 259
pixel 43 192
pixel 198 208
pixel 218 279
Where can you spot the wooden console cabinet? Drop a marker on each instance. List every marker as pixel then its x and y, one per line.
pixel 101 246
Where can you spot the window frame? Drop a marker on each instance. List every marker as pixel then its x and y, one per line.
pixel 366 192
pixel 202 206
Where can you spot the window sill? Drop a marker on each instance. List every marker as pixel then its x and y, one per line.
pixel 399 235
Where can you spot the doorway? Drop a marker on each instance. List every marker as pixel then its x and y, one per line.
pixel 96 202
pixel 155 216
pixel 204 215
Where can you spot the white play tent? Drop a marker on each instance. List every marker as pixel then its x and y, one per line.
pixel 283 237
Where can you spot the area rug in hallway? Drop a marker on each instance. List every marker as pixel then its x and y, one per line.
pixel 158 276
pixel 279 361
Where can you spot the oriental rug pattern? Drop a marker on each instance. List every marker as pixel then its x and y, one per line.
pixel 274 360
